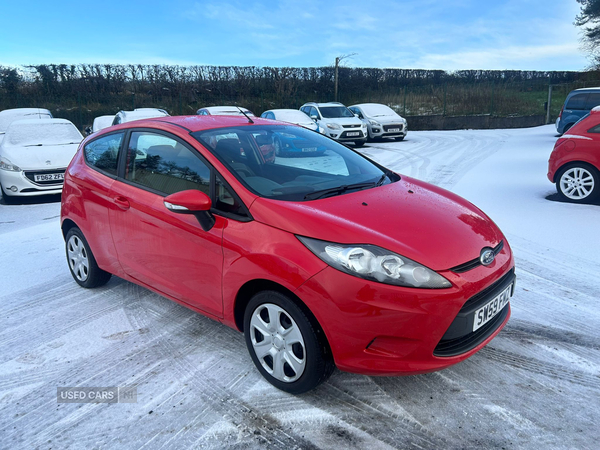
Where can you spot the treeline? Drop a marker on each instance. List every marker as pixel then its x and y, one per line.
pixel 83 91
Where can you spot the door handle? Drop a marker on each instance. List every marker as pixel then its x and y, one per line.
pixel 121 202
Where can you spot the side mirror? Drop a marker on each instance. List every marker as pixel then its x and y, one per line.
pixel 314 117
pixel 192 202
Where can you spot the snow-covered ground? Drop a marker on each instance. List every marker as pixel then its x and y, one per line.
pixel 537 385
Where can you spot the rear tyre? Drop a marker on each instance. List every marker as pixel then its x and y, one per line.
pixel 578 183
pixel 285 346
pixel 82 264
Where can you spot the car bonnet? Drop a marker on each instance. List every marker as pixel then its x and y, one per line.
pixel 419 221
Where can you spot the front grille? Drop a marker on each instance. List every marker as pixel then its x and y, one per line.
pixel 459 338
pixel 388 127
pixel 352 126
pixel 476 262
pixel 30 174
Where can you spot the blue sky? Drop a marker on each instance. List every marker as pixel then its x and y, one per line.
pixel 427 34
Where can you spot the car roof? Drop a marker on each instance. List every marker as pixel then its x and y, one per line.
pixel 194 123
pixel 587 89
pixel 228 109
pixel 24 111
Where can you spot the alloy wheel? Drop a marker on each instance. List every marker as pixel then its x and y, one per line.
pixel 577 183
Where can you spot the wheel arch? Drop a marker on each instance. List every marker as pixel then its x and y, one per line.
pixel 571 163
pixel 67 225
pixel 252 287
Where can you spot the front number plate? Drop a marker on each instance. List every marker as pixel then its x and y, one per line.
pixel 353 133
pixel 484 314
pixel 393 130
pixel 50 177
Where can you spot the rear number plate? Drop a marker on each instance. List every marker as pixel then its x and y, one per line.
pixel 484 314
pixel 50 177
pixel 353 133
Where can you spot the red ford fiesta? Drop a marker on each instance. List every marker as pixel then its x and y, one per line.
pixel 322 261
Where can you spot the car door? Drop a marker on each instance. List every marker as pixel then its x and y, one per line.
pixel 167 251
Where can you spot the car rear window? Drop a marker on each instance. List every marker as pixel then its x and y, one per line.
pixel 592 101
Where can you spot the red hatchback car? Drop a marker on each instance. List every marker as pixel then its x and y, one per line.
pixel 321 261
pixel 574 163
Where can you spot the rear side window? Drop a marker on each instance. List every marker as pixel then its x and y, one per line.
pixel 103 153
pixel 164 164
pixel 592 101
pixel 576 102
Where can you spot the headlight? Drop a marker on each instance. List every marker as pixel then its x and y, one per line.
pixel 375 124
pixel 5 164
pixel 376 264
pixel 333 126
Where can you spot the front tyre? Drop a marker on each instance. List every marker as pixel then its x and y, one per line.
pixel 82 264
pixel 578 183
pixel 284 344
pixel 360 143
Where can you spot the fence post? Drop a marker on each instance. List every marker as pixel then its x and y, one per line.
pixel 492 100
pixel 180 111
pixel 404 113
pixel 549 103
pixel 445 89
pixel 79 110
pixel 133 101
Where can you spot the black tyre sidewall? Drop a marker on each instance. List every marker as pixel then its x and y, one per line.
pixel 317 367
pixel 96 277
pixel 590 198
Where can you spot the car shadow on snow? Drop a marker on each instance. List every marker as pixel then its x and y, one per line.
pixel 556 198
pixel 33 200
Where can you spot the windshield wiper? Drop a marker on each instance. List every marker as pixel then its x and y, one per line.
pixel 338 190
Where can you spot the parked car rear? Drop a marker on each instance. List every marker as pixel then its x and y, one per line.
pixel 574 163
pixel 577 104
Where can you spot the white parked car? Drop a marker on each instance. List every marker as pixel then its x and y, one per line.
pixel 223 111
pixel 102 122
pixel 34 155
pixel 10 115
pixel 138 114
pixel 291 116
pixel 381 120
pixel 337 121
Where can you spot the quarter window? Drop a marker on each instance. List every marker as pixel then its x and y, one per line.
pixel 576 102
pixel 164 164
pixel 592 101
pixel 102 153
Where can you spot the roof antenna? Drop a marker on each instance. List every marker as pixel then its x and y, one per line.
pixel 242 111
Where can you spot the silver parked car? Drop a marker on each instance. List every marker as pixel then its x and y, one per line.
pixel 382 121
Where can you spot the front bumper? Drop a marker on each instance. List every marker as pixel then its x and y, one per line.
pixel 26 186
pixel 378 329
pixel 345 134
pixel 387 130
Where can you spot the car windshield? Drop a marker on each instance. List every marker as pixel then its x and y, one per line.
pixel 33 133
pixel 378 110
pixel 291 163
pixel 333 112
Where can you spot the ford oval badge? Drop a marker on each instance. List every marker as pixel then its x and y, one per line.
pixel 487 256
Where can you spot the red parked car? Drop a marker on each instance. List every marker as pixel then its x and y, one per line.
pixel 321 262
pixel 574 163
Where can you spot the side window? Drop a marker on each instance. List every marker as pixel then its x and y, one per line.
pixel 592 101
pixel 103 153
pixel 164 164
pixel 313 112
pixel 225 201
pixel 595 129
pixel 576 102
